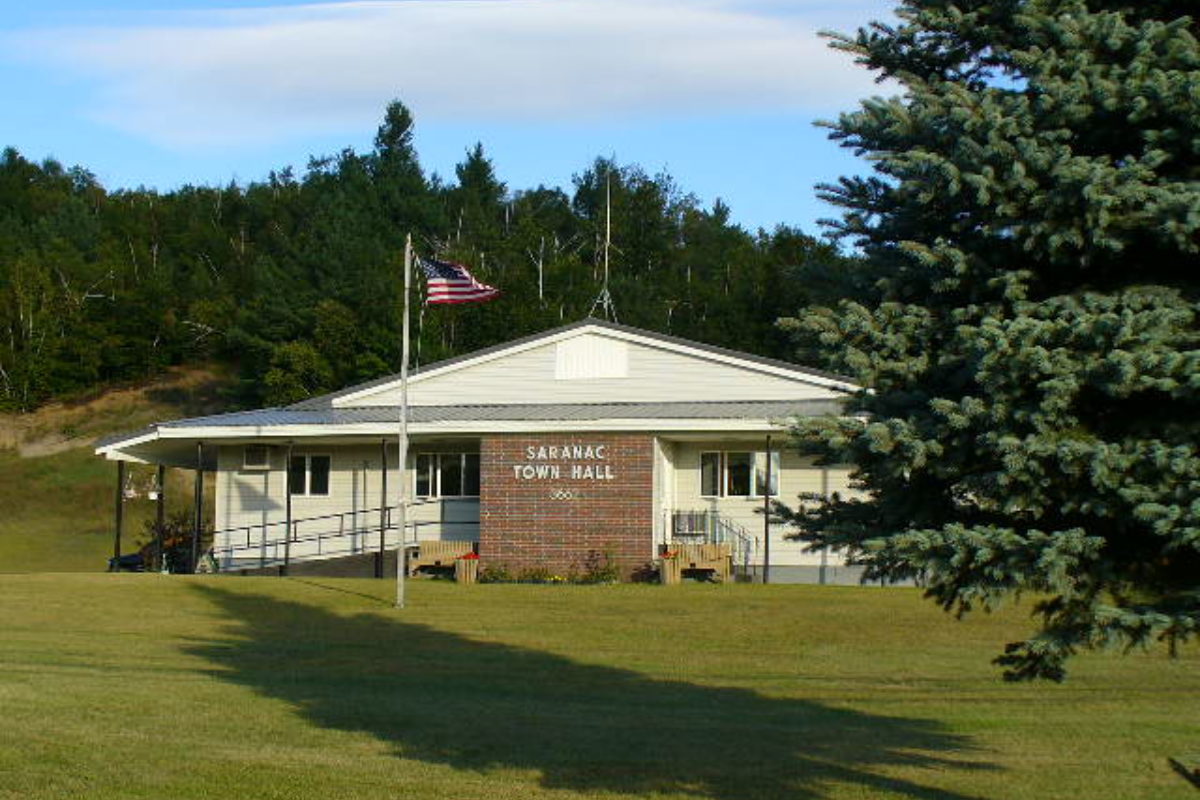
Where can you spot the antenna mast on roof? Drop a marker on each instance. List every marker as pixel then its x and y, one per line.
pixel 604 300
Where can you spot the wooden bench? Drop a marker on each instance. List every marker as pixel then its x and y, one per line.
pixel 714 560
pixel 437 554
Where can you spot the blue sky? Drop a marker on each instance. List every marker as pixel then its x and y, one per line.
pixel 722 94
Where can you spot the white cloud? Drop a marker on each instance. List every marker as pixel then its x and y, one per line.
pixel 259 75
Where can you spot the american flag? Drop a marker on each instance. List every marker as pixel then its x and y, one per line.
pixel 452 283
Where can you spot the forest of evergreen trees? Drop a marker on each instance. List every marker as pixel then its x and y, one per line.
pixel 296 279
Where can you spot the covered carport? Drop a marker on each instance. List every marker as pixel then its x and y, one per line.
pixel 148 447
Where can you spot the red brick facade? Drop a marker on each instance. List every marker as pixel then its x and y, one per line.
pixel 547 499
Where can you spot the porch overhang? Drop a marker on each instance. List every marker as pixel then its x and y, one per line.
pixel 148 447
pixel 175 443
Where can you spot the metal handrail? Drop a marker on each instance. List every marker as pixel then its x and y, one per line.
pixel 715 529
pixel 337 540
pixel 263 527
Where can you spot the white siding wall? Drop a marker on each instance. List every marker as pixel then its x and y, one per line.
pixel 249 500
pixel 654 375
pixel 799 475
pixel 664 489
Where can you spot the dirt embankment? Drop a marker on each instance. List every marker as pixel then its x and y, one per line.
pixel 61 426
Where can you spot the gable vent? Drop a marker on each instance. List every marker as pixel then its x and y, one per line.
pixel 591 357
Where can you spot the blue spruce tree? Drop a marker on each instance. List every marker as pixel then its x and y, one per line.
pixel 1032 338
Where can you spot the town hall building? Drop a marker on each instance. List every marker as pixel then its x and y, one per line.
pixel 593 438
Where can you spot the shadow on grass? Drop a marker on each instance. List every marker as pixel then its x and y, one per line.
pixel 446 699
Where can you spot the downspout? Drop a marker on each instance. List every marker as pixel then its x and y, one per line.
pixel 767 518
pixel 160 513
pixel 287 532
pixel 383 499
pixel 198 515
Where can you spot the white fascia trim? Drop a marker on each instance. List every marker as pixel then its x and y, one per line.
pixel 109 450
pixel 754 366
pixel 348 400
pixel 482 427
pixel 708 355
pixel 116 455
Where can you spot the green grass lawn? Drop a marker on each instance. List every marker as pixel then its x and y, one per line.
pixel 151 686
pixel 57 505
pixel 57 511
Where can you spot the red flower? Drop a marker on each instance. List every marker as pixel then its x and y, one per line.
pixel 470 557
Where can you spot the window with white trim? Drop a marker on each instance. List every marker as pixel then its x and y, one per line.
pixel 737 473
pixel 256 457
pixel 447 475
pixel 309 475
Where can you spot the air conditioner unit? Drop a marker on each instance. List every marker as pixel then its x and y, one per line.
pixel 256 456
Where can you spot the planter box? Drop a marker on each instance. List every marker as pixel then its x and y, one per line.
pixel 466 570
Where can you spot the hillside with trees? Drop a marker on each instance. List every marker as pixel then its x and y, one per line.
pixel 295 279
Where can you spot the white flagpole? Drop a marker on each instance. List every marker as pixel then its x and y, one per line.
pixel 402 506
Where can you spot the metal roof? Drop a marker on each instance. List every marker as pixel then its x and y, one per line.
pixel 113 438
pixel 740 409
pixel 319 411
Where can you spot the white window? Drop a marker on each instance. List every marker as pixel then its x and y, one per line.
pixel 256 456
pixel 737 473
pixel 309 475
pixel 447 475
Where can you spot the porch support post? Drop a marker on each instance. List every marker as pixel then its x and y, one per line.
pixel 383 498
pixel 198 506
pixel 767 518
pixel 160 513
pixel 824 550
pixel 287 533
pixel 119 520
